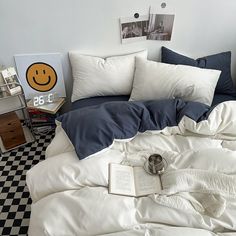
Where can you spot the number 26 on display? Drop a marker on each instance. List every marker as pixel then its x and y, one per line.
pixel 41 100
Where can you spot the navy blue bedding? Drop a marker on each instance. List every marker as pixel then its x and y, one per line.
pixel 218 98
pixel 220 61
pixel 94 128
pixel 96 101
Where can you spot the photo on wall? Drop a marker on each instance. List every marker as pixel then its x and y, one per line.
pixel 133 30
pixel 40 74
pixel 160 27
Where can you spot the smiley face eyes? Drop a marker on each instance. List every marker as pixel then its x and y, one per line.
pixel 44 72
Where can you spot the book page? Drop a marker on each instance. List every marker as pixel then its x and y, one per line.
pixel 144 183
pixel 51 108
pixel 121 180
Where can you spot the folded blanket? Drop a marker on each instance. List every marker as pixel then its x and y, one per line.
pixel 213 186
pixel 199 181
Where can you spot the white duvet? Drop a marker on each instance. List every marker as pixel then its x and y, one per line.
pixel 70 197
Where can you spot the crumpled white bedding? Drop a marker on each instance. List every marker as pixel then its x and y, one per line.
pixel 70 197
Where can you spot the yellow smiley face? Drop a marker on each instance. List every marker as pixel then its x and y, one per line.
pixel 41 77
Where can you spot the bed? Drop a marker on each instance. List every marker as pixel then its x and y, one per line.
pixel 69 190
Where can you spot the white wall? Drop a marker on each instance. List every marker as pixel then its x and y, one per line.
pixel 92 26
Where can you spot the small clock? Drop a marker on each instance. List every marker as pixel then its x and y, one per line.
pixel 44 99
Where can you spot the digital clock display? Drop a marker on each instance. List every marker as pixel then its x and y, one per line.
pixel 44 99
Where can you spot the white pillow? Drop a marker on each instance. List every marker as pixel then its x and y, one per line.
pixel 95 76
pixel 153 80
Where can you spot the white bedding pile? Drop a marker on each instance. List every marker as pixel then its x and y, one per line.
pixel 70 197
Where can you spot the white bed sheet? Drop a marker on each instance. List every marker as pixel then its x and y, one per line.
pixel 70 197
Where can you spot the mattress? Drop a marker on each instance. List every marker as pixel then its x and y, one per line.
pixel 218 98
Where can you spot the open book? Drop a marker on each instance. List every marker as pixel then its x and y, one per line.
pixel 132 181
pixel 51 108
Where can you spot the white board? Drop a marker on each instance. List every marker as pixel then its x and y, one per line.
pixel 40 74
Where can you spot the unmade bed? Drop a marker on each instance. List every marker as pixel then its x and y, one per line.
pixel 69 189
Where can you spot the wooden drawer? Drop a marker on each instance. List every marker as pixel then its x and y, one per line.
pixel 9 121
pixel 13 138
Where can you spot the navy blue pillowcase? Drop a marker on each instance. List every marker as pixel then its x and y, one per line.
pixel 221 61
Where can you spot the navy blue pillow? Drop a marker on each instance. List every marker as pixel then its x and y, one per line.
pixel 221 61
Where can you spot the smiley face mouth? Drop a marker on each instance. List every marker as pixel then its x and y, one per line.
pixel 42 84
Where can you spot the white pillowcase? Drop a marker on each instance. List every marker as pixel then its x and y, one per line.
pixel 153 80
pixel 95 76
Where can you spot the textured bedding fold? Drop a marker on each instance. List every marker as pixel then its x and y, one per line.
pixel 199 181
pixel 214 186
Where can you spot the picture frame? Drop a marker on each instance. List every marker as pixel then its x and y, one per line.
pixel 40 74
pixel 134 29
pixel 160 27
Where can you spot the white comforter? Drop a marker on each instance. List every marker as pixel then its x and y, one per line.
pixel 70 197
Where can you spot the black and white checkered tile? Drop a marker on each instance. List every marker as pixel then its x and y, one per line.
pixel 14 196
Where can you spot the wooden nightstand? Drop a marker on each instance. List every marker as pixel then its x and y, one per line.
pixel 13 132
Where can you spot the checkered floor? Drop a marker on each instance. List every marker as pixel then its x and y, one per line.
pixel 14 196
